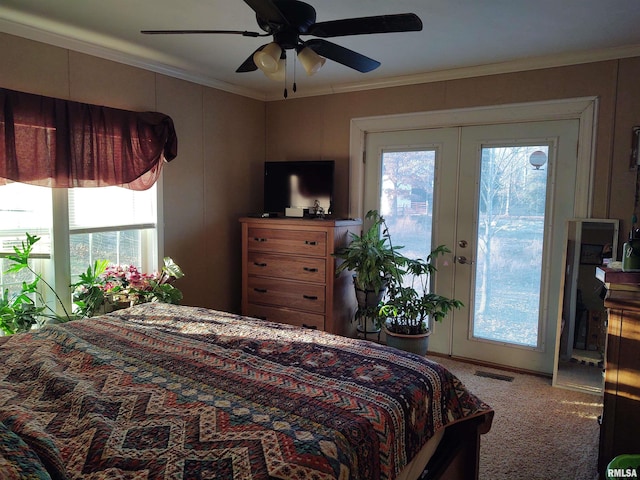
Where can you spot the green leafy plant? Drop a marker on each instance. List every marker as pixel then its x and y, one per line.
pixel 28 307
pixel 370 256
pixel 89 294
pixel 101 285
pixel 407 307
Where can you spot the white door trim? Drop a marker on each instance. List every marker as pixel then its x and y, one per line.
pixel 585 109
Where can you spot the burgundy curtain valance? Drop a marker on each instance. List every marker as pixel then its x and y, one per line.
pixel 60 143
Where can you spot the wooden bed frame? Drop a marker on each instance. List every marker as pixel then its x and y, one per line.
pixel 458 454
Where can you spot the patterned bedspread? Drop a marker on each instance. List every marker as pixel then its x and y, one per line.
pixel 170 392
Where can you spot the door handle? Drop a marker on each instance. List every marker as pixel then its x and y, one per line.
pixel 463 260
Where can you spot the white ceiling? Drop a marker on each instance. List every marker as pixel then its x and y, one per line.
pixel 459 38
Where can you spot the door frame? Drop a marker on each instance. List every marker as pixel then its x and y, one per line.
pixel 585 109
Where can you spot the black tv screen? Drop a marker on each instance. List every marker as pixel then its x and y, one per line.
pixel 298 185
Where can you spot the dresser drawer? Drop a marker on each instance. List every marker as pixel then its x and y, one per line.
pixel 287 241
pixel 307 269
pixel 282 293
pixel 283 315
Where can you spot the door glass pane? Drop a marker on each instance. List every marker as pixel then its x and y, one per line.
pixel 511 218
pixel 406 199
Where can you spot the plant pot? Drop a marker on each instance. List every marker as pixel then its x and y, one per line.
pixel 111 306
pixel 367 325
pixel 418 343
pixel 368 298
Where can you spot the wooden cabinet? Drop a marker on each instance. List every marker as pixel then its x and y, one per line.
pixel 288 272
pixel 621 413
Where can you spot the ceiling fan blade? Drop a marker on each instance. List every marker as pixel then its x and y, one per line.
pixel 249 65
pixel 268 11
pixel 181 32
pixel 342 55
pixel 402 22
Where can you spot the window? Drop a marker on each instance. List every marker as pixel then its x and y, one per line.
pixel 110 223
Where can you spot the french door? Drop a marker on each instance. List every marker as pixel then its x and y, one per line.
pixel 497 196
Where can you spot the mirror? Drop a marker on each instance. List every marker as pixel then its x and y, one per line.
pixel 581 334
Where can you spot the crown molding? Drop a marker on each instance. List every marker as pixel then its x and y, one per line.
pixel 519 65
pixel 109 48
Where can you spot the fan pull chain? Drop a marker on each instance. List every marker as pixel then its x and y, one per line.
pixel 295 87
pixel 285 93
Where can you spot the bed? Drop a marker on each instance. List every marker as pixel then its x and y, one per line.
pixel 160 391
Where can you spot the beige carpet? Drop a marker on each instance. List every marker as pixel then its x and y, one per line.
pixel 539 431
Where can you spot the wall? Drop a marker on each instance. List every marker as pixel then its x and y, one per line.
pixel 322 123
pixel 224 138
pixel 325 134
pixel 216 177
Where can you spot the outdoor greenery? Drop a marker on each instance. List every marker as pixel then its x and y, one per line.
pixel 102 285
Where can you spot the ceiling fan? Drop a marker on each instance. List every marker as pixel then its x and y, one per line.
pixel 288 20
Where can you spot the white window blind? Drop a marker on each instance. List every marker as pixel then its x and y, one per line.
pixel 109 207
pixel 107 223
pixel 25 208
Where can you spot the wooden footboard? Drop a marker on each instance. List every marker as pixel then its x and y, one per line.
pixel 458 454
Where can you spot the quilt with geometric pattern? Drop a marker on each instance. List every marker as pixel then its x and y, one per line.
pixel 160 391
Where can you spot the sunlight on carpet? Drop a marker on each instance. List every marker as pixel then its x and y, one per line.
pixel 539 431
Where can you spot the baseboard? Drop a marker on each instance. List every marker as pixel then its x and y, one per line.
pixel 481 363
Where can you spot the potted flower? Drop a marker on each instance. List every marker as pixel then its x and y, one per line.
pixel 105 287
pixel 409 303
pixel 373 262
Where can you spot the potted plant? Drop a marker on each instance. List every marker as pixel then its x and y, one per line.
pixel 409 303
pixel 102 285
pixel 373 261
pixel 110 287
pixel 21 312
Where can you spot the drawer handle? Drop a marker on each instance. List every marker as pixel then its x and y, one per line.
pixel 258 264
pixel 310 327
pixel 310 242
pixel 310 297
pixel 309 269
pixel 258 239
pixel 260 290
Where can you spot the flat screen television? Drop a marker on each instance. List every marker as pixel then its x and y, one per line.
pixel 298 184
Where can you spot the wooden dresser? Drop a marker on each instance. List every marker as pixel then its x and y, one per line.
pixel 288 272
pixel 620 421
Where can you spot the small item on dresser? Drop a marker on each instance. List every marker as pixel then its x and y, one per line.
pixel 294 212
pixel 631 252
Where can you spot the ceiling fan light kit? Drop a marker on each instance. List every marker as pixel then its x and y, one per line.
pixel 280 74
pixel 310 60
pixel 287 20
pixel 267 59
